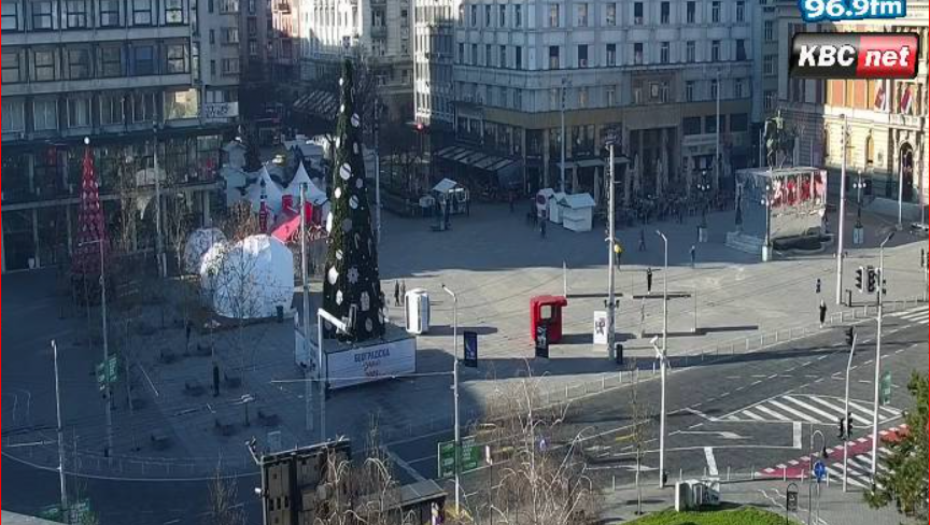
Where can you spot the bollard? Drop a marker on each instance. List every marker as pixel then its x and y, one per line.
pixel 681 475
pixel 784 474
pixel 776 337
pixel 614 483
pixel 728 474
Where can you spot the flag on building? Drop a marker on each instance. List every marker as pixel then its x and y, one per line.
pixel 907 100
pixel 91 224
pixel 881 98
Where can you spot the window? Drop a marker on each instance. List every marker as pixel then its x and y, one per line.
pixel 79 112
pixel 502 16
pixel 715 51
pixel 689 91
pixel 714 89
pixel 582 56
pixel 174 11
pixel 487 55
pixel 770 100
pixel 230 66
pixel 869 151
pixel 553 15
pixel 111 61
pixel 78 64
pixel 75 14
pixel 611 17
pixel 691 126
pixel 143 107
pixel 664 91
pixel 768 31
pixel 503 57
pixel 553 57
pixel 474 16
pixel 182 104
pixel 231 35
pixel 460 59
pixel 582 20
pixel 111 109
pixel 177 59
pixel 231 6
pixel 487 16
pixel 638 54
pixel 253 27
pixel 741 12
pixel 10 17
pixel 14 117
pixel 142 12
pixel 665 12
pixel 12 67
pixel 611 96
pixel 583 97
pixel 691 52
pixel 212 37
pixel 741 50
pixel 611 55
pixel 41 15
pixel 739 88
pixel 45 114
pixel 665 52
pixel 253 48
pixel 143 60
pixel 715 12
pixel 710 124
pixel 739 123
pixel 518 16
pixel 212 67
pixel 43 66
pixel 109 13
pixel 518 57
pixel 692 12
pixel 638 18
pixel 517 99
pixel 768 65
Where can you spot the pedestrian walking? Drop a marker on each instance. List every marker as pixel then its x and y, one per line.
pixel 819 286
pixel 693 255
pixel 649 280
pixel 396 293
pixel 823 313
pixel 403 291
pixel 542 228
pixel 642 240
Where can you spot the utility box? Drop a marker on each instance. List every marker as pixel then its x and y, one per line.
pixel 694 494
pixel 416 307
pixel 546 310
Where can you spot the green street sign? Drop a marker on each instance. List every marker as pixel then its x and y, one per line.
pixel 107 373
pixel 886 387
pixel 469 457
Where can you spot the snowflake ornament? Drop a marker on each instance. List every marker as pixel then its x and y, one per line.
pixel 353 275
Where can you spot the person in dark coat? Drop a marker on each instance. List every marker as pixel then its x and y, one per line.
pixel 396 293
pixel 649 280
pixel 819 286
pixel 693 255
pixel 642 240
pixel 823 313
pixel 403 291
pixel 542 228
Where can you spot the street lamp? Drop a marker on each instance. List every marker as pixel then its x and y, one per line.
pixel 106 343
pixel 767 244
pixel 455 389
pixel 664 354
pixel 810 487
pixel 852 353
pixel 611 247
pixel 159 242
pixel 322 373
pixel 878 350
pixel 840 234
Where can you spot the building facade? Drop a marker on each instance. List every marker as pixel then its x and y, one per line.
pixel 649 72
pixel 125 74
pixel 886 119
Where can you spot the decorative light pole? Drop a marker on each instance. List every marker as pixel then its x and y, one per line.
pixel 663 361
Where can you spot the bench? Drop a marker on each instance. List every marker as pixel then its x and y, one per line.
pixel 194 388
pixel 268 419
pixel 160 440
pixel 224 428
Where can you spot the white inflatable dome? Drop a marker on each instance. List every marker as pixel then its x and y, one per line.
pixel 198 244
pixel 249 280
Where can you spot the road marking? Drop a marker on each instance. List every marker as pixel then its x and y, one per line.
pixel 809 407
pixel 790 410
pixel 757 383
pixel 798 435
pixel 711 462
pixel 772 413
pixel 753 415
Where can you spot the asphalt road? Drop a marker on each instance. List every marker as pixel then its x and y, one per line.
pixel 755 411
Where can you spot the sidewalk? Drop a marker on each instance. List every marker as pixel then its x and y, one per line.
pixel 835 507
pixel 496 263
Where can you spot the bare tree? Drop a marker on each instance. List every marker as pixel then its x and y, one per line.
pixel 223 507
pixel 639 413
pixel 178 225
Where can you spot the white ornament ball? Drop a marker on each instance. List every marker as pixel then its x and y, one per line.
pixel 369 326
pixel 347 225
pixel 356 122
pixel 342 108
pixel 338 255
pixel 339 297
pixel 355 148
pixel 338 142
pixel 345 172
pixel 338 193
pixel 333 275
pixel 359 183
pixel 353 202
pixel 366 301
pixel 342 82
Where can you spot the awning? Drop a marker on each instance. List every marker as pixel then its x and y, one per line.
pixel 317 103
pixel 506 169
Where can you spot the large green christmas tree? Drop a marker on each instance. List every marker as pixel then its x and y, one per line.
pixel 352 286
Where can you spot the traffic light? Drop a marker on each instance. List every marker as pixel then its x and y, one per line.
pixel 883 283
pixel 859 274
pixel 923 259
pixel 872 280
pixel 850 336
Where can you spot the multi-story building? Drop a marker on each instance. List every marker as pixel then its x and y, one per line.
pixel 886 119
pixel 121 73
pixel 377 32
pixel 650 71
pixel 216 50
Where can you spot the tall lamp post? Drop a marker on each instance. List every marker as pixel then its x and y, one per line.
pixel 767 243
pixel 305 315
pixel 322 373
pixel 662 363
pixel 840 234
pixel 878 351
pixel 852 353
pixel 108 390
pixel 455 389
pixel 566 83
pixel 159 242
pixel 611 248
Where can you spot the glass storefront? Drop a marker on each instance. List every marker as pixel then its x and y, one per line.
pixel 18 242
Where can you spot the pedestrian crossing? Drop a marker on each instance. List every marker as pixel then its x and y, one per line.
pixel 918 316
pixel 810 409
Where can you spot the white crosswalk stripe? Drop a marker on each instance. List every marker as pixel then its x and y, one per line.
pixel 860 468
pixel 919 316
pixel 817 410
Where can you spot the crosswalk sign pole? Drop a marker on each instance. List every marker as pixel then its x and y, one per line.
pixel 852 353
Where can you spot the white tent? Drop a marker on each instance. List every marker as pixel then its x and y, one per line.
pixel 198 244
pixel 265 185
pixel 249 280
pixel 577 212
pixel 314 195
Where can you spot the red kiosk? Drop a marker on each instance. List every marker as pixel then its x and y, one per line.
pixel 546 310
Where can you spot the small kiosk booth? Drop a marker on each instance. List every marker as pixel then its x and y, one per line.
pixel 546 310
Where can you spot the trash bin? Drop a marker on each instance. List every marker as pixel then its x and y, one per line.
pixel 618 352
pixel 416 311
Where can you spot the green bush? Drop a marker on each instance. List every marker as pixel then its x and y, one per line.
pixel 744 516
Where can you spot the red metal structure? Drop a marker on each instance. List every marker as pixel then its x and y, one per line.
pixel 547 310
